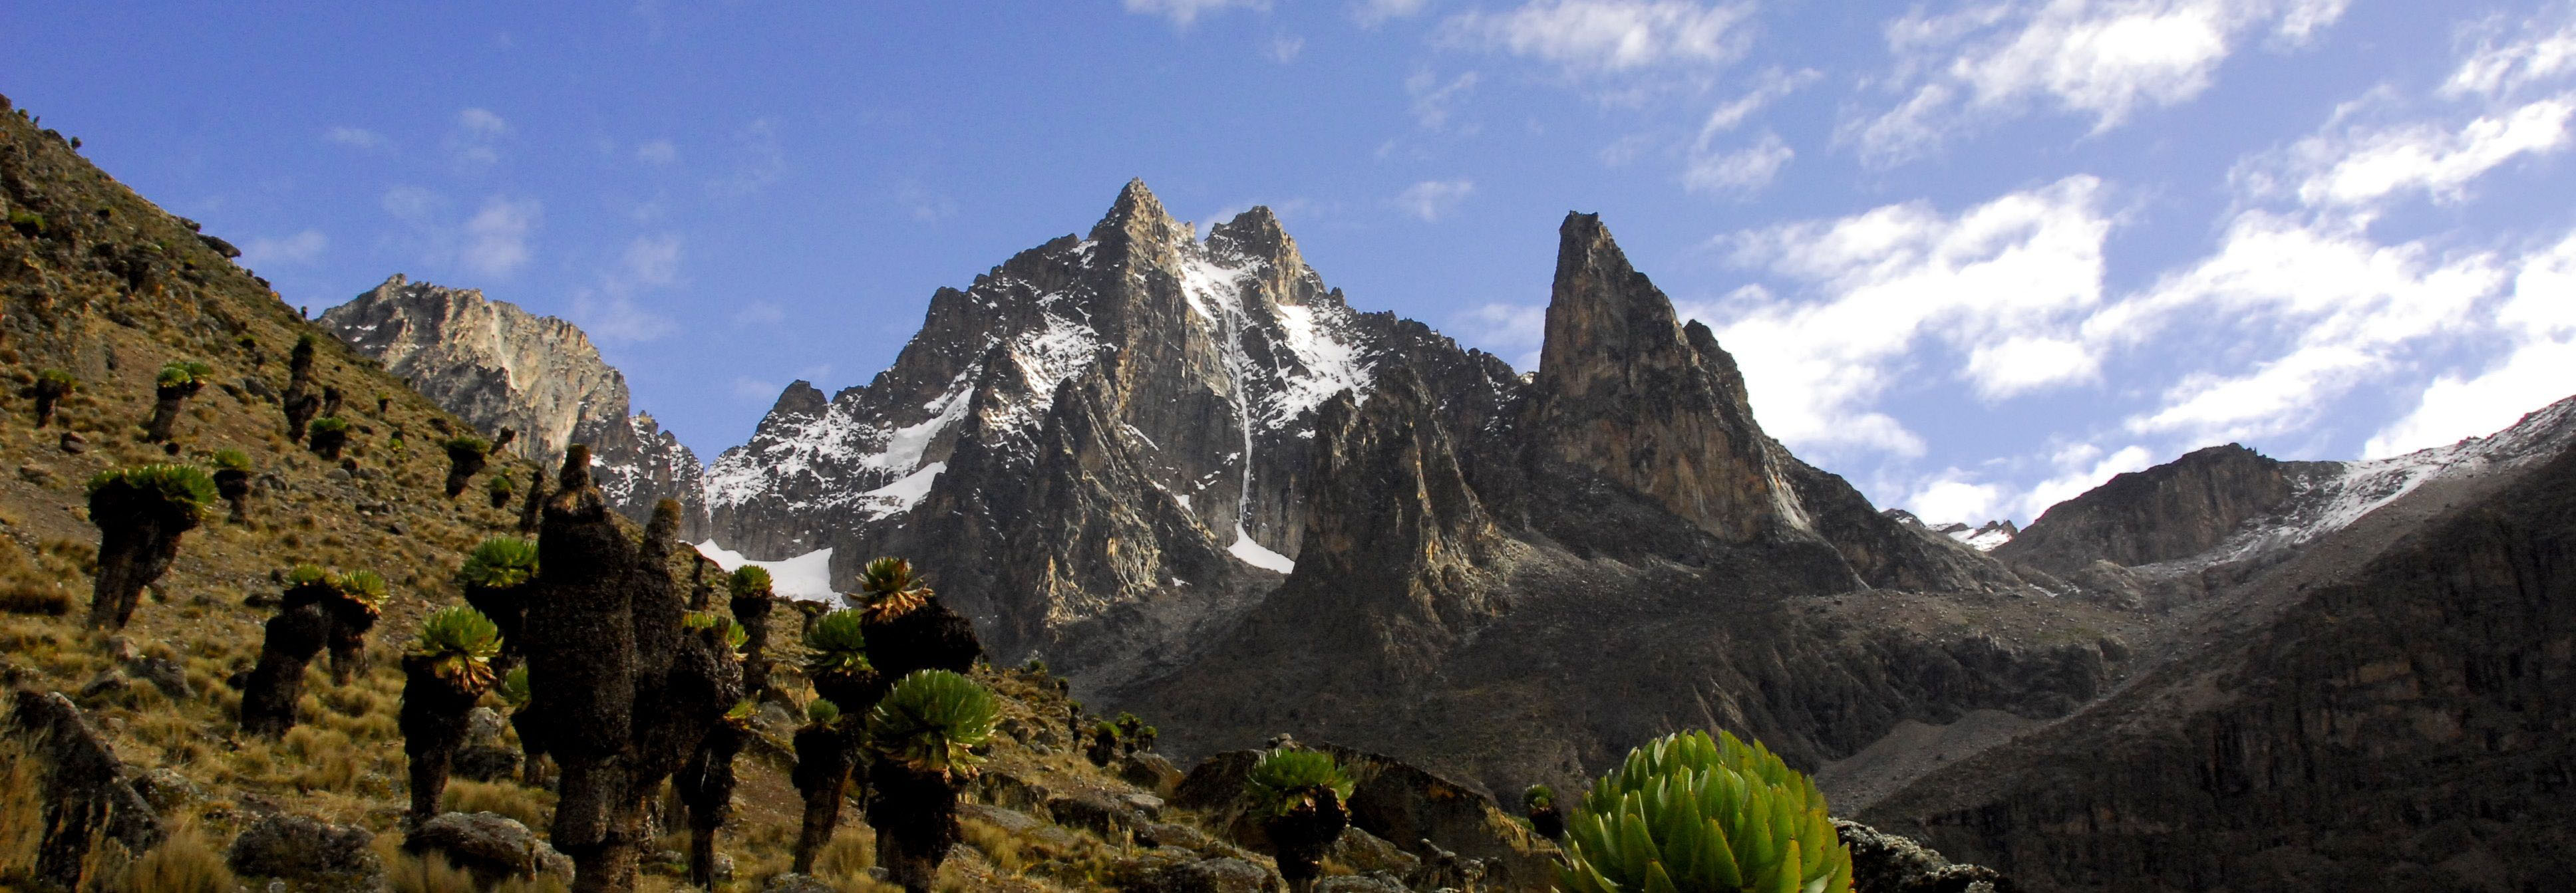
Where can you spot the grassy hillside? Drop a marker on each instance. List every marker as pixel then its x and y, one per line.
pixel 100 283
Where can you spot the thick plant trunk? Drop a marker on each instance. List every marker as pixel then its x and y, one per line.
pixel 532 746
pixel 462 465
pixel 752 611
pixel 1302 837
pixel 165 414
pixel 529 511
pixel 45 402
pixel 706 784
pixel 300 409
pixel 328 442
pixel 295 635
pixel 433 726
pixel 234 486
pixel 132 553
pixel 823 775
pixel 350 623
pixel 915 814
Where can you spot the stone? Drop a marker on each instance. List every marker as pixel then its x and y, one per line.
pixel 486 762
pixel 1357 883
pixel 1889 863
pixel 1095 811
pixel 1227 875
pixel 484 725
pixel 85 791
pixel 1147 806
pixel 73 443
pixel 306 849
pixel 1168 834
pixel 1151 772
pixel 1365 852
pixel 36 474
pixel 792 882
pixel 492 846
pixel 1009 820
pixel 164 674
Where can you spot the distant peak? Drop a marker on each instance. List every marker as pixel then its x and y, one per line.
pixel 1253 233
pixel 800 398
pixel 1136 206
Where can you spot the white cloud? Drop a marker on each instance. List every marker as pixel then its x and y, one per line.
pixel 651 261
pixel 1372 13
pixel 412 203
pixel 496 238
pixel 2014 276
pixel 2105 59
pixel 1744 170
pixel 476 143
pixel 759 313
pixel 1431 199
pixel 1284 48
pixel 302 248
pixel 2544 52
pixel 1431 98
pixel 752 390
pixel 1608 36
pixel 2539 322
pixel 658 152
pixel 1770 87
pixel 1949 496
pixel 2080 467
pixel 1184 13
pixel 358 137
pixel 2343 305
pixel 2365 165
pixel 1511 331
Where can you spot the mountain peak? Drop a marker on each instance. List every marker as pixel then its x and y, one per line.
pixel 1136 212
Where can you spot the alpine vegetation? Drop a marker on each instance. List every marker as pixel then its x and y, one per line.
pixel 499 488
pixel 330 434
pixel 52 385
pixel 1694 815
pixel 357 600
pixel 752 600
pixel 530 725
pixel 907 628
pixel 301 404
pixel 300 630
pixel 140 513
pixel 232 482
pixel 447 669
pixel 498 577
pixel 1539 803
pixel 1300 797
pixel 177 382
pixel 921 737
pixel 627 692
pixel 821 776
pixel 465 457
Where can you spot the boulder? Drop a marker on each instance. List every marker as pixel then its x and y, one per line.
pixel 1889 863
pixel 1151 772
pixel 1358 883
pixel 164 674
pixel 306 850
pixel 792 882
pixel 485 762
pixel 1216 876
pixel 1365 852
pixel 87 793
pixel 1096 811
pixel 492 846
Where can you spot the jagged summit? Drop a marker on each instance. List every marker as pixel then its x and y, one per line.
pixel 499 366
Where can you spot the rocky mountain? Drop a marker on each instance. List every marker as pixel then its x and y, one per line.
pixel 499 366
pixel 2366 690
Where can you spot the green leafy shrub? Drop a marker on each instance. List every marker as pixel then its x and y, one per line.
pixel 499 563
pixel 749 579
pixel 1688 813
pixel 460 642
pixel 835 644
pixel 177 488
pixel 931 722
pixel 822 712
pixel 231 460
pixel 1287 779
pixel 514 687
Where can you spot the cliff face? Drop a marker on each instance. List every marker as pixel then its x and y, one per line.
pixel 2181 508
pixel 501 367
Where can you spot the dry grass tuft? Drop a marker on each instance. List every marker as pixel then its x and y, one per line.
pixel 186 862
pixel 530 806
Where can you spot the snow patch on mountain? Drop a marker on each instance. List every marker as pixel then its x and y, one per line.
pixel 1252 553
pixel 806 577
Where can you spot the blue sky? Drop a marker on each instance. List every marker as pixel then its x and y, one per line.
pixel 1973 256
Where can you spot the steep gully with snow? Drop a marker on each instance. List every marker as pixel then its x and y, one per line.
pixel 1188 474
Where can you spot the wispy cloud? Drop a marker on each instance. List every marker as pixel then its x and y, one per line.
pixel 1512 331
pixel 1372 13
pixel 1284 48
pixel 660 153
pixel 496 238
pixel 476 142
pixel 298 249
pixel 1587 37
pixel 2102 59
pixel 357 137
pixel 1432 199
pixel 1738 171
pixel 1184 13
pixel 1433 97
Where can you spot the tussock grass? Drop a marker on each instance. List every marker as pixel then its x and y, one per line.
pixel 185 862
pixel 530 806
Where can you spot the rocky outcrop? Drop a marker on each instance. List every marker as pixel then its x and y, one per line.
pixel 2377 708
pixel 311 853
pixel 88 797
pixel 502 367
pixel 2180 508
